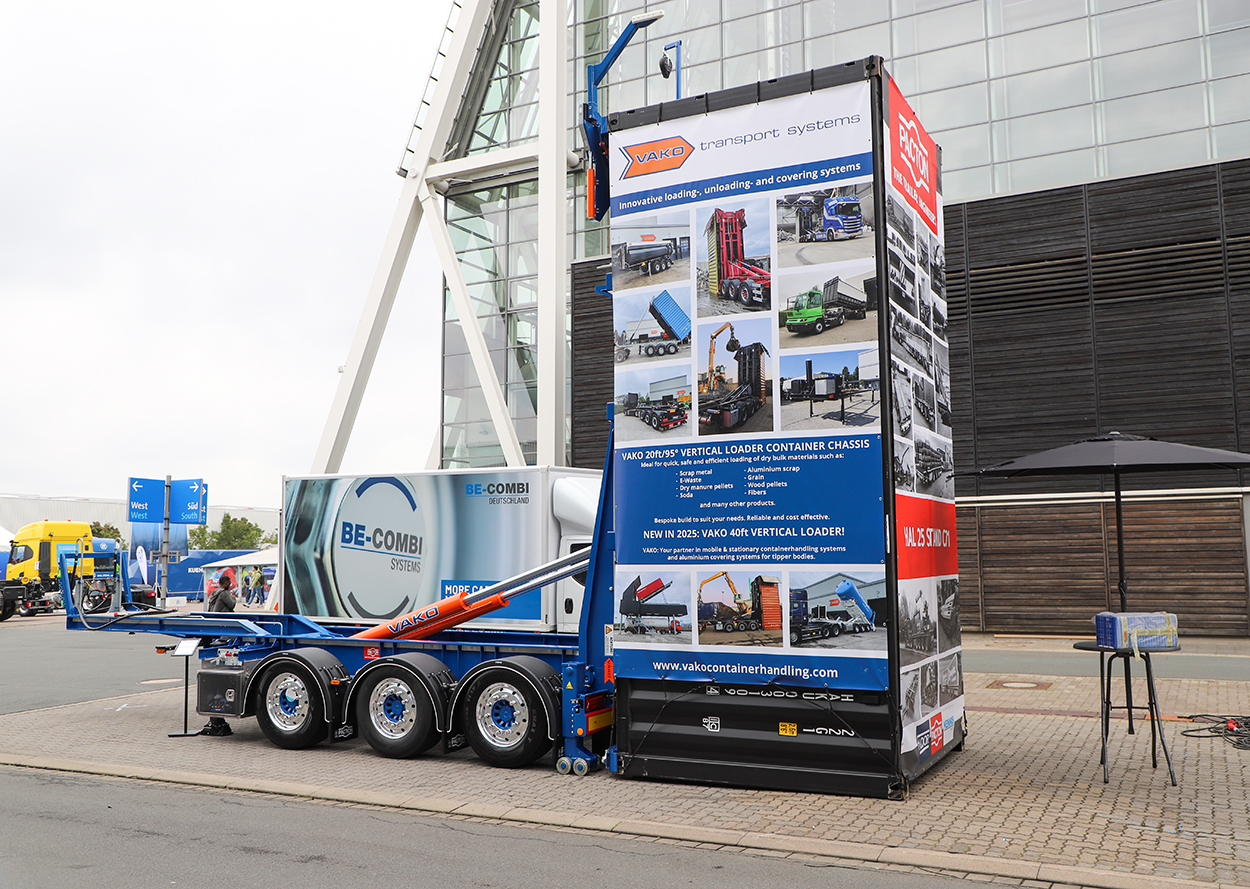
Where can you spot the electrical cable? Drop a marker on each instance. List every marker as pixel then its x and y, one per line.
pixel 143 607
pixel 1233 729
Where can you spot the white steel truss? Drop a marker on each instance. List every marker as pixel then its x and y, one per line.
pixel 426 178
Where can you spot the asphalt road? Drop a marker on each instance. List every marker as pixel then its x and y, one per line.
pixel 45 665
pixel 59 830
pixel 792 254
pixel 1178 665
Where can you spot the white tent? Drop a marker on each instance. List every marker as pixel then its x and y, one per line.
pixel 265 558
pixel 260 558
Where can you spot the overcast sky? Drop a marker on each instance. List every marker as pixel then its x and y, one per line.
pixel 193 199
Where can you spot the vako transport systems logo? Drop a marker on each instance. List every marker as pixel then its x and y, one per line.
pixel 657 156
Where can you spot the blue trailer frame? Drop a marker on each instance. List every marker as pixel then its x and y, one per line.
pixel 293 672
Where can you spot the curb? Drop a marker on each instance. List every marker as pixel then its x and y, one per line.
pixel 977 865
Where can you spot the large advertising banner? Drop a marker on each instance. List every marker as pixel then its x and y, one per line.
pixel 374 547
pixel 749 460
pixel 931 694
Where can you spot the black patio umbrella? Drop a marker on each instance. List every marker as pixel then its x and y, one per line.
pixel 1118 453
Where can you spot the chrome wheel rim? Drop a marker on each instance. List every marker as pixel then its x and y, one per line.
pixel 392 708
pixel 288 702
pixel 502 715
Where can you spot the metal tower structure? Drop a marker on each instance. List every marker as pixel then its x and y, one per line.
pixel 437 156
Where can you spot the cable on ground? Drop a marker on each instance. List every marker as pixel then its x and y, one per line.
pixel 1233 729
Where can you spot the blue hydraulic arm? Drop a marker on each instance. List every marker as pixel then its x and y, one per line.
pixel 588 684
pixel 595 125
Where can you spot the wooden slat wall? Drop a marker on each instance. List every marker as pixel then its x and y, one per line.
pixel 1184 557
pixel 1115 305
pixel 1043 569
pixel 592 370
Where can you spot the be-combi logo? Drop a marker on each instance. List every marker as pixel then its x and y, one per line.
pixel 656 156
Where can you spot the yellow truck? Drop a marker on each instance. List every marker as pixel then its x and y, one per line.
pixel 32 576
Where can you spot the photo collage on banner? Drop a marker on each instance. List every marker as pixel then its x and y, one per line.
pixel 930 675
pixel 748 430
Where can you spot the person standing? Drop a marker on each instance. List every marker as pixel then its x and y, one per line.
pixel 222 599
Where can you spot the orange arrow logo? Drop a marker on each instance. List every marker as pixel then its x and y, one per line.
pixel 656 157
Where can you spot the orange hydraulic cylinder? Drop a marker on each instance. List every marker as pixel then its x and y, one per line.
pixel 442 615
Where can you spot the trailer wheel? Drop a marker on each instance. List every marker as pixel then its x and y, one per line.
pixel 672 348
pixel 289 710
pixel 818 326
pixel 395 715
pixel 504 721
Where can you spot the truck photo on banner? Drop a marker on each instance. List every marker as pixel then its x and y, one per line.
pixel 762 465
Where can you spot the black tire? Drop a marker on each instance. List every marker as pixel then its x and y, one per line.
pixel 726 290
pixel 648 350
pixel 504 721
pixel 829 234
pixel 818 327
pixel 394 713
pixel 7 610
pixel 289 708
pixel 835 630
pixel 744 293
pixel 672 348
pixel 794 637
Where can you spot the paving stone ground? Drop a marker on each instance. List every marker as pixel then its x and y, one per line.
pixel 1024 802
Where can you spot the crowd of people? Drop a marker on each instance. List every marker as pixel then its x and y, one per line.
pixel 251 589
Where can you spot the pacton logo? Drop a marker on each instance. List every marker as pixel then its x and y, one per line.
pixel 913 153
pixel 913 158
pixel 656 157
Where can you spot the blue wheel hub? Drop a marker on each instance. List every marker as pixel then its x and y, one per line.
pixel 503 715
pixel 393 708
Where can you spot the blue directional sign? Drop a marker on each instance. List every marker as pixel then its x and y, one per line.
pixel 188 501
pixel 146 497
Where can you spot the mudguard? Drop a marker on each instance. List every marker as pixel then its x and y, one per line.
pixel 428 671
pixel 529 671
pixel 330 678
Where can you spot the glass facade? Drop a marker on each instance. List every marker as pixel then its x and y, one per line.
pixel 1021 95
pixel 495 234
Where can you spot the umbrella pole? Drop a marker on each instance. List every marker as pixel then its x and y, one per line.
pixel 1119 539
